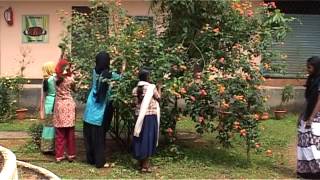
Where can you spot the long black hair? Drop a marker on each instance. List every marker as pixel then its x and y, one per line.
pixel 312 85
pixel 102 69
pixel 144 75
pixel 313 61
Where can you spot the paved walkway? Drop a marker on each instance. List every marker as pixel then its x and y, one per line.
pixel 25 135
pixel 13 135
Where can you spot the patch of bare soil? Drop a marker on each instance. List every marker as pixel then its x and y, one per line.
pixel 292 154
pixel 1 162
pixel 287 166
pixel 187 136
pixel 12 143
pixel 26 173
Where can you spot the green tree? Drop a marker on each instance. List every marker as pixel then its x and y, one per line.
pixel 224 39
pixel 132 45
pixel 206 56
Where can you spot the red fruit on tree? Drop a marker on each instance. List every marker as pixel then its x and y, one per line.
pixel 243 132
pixel 170 131
pixel 192 98
pixel 272 5
pixel 250 13
pixel 269 152
pixel 198 75
pixel 216 30
pixel 221 60
pixel 183 91
pixel 203 92
pixel 201 119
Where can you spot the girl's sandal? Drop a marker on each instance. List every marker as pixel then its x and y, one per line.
pixel 58 160
pixel 149 170
pixel 106 165
pixel 146 170
pixel 71 158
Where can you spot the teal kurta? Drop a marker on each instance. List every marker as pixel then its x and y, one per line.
pixel 49 99
pixel 94 111
pixel 47 136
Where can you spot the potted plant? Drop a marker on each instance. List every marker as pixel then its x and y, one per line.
pixel 20 111
pixel 286 95
pixel 25 60
pixel 264 115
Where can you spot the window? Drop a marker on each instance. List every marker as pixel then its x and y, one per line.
pixel 303 41
pixel 148 20
pixel 299 7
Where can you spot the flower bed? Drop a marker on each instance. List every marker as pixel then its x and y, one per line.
pixel 8 167
pixel 29 171
pixel 26 173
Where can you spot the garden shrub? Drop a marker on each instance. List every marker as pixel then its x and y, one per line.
pixel 9 90
pixel 5 104
pixel 35 131
pixel 206 55
pixel 131 44
pixel 224 39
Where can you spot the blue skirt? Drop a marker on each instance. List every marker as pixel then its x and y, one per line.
pixel 145 145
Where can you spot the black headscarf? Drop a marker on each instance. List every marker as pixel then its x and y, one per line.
pixel 144 75
pixel 102 69
pixel 312 85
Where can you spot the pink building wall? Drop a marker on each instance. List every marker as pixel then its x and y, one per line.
pixel 11 36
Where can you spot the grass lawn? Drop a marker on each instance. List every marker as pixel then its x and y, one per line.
pixel 23 125
pixel 200 157
pixel 17 125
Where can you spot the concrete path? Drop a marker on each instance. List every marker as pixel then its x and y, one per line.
pixel 14 135
pixel 79 135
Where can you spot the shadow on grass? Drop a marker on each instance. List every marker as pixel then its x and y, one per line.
pixel 211 153
pixel 198 153
pixel 204 154
pixel 207 157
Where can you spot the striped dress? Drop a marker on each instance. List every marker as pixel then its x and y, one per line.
pixel 308 149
